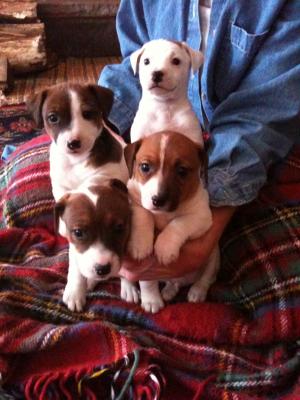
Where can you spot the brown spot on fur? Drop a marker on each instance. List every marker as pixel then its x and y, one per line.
pixel 180 154
pixel 106 149
pixel 108 222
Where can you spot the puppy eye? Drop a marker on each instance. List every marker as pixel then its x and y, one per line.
pixel 146 61
pixel 119 228
pixel 182 171
pixel 145 168
pixel 176 61
pixel 53 118
pixel 88 114
pixel 79 234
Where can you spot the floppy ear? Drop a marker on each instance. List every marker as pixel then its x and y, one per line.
pixel 59 209
pixel 34 105
pixel 135 59
pixel 203 165
pixel 196 57
pixel 129 154
pixel 104 97
pixel 119 185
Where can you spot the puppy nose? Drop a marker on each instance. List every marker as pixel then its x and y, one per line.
pixel 74 144
pixel 102 270
pixel 157 76
pixel 159 201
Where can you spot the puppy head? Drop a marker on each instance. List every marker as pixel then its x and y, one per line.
pixel 72 115
pixel 165 168
pixel 164 66
pixel 96 222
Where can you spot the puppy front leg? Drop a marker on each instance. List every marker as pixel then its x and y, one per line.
pixel 175 234
pixel 75 291
pixel 141 239
pixel 151 299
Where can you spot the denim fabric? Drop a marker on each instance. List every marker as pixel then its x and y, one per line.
pixel 250 82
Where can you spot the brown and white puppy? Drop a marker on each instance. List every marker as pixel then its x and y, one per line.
pixel 164 68
pixel 82 146
pixel 167 173
pixel 96 221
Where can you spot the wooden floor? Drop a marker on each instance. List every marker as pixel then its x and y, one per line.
pixel 68 70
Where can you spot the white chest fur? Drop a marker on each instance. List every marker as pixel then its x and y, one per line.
pixel 67 173
pixel 154 116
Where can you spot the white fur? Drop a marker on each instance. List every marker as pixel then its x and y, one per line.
pixel 69 170
pixel 167 106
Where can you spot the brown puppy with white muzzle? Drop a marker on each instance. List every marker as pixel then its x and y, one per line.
pixel 167 173
pixel 82 146
pixel 96 221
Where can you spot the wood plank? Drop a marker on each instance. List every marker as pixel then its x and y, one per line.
pixel 24 46
pixel 18 10
pixel 5 75
pixel 77 8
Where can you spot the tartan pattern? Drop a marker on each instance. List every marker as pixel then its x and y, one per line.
pixel 240 344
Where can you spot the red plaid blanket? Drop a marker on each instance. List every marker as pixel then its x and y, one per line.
pixel 240 344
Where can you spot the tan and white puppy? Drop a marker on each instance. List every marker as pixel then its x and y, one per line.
pixel 82 146
pixel 167 172
pixel 96 222
pixel 164 69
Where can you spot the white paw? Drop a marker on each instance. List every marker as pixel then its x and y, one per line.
pixel 169 291
pixel 74 298
pixel 129 292
pixel 140 247
pixel 166 250
pixel 197 294
pixel 152 305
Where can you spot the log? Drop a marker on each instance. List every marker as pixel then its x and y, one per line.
pixel 24 46
pixel 5 75
pixel 18 10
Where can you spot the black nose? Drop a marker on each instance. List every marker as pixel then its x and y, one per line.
pixel 157 76
pixel 102 270
pixel 74 144
pixel 159 201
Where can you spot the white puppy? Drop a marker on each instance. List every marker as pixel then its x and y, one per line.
pixel 164 68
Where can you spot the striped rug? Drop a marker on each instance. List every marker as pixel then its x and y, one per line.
pixel 67 70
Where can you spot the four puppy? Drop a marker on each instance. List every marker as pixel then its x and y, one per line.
pixel 92 208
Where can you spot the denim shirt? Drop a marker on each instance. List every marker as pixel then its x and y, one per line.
pixel 248 94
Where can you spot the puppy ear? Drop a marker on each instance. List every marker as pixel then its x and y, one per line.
pixel 34 105
pixel 196 57
pixel 117 184
pixel 129 154
pixel 59 209
pixel 203 165
pixel 135 59
pixel 104 97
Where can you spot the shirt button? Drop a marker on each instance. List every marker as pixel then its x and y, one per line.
pixel 203 97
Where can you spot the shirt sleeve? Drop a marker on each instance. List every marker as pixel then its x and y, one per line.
pixel 258 123
pixel 132 34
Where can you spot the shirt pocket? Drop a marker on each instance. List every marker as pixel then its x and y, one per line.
pixel 236 53
pixel 247 43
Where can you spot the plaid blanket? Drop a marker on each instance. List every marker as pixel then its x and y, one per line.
pixel 241 344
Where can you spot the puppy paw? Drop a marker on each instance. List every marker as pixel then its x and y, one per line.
pixel 169 291
pixel 151 304
pixel 140 247
pixel 74 298
pixel 129 292
pixel 166 249
pixel 197 293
